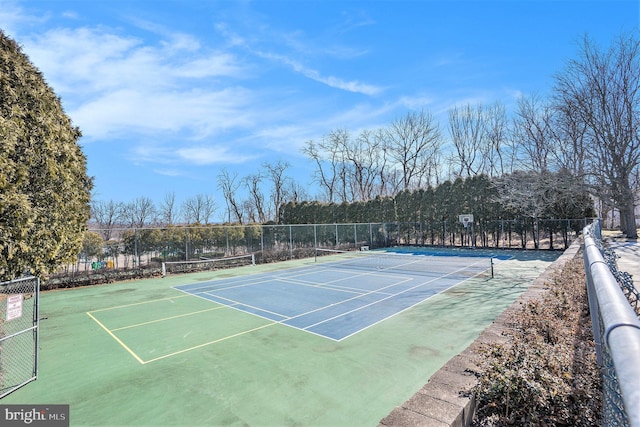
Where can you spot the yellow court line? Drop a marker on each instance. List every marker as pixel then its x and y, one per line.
pixel 117 339
pixel 168 318
pixel 138 303
pixel 211 342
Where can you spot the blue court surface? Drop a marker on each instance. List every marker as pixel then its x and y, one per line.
pixel 336 297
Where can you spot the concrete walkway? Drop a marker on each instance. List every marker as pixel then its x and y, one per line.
pixel 628 251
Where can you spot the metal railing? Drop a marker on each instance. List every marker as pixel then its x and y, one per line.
pixel 616 330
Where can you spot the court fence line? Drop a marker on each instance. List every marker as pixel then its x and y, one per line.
pixel 133 249
pixel 616 330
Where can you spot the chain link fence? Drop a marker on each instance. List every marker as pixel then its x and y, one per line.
pixel 19 324
pixel 140 252
pixel 616 330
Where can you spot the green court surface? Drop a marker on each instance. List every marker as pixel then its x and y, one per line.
pixel 141 353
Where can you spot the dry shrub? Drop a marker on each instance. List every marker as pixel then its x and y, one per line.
pixel 547 374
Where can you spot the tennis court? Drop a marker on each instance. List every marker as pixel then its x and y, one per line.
pixel 343 292
pixel 331 342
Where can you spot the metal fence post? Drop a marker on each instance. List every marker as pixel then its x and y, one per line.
pixel 315 236
pixel 355 236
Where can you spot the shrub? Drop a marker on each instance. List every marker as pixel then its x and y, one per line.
pixel 546 374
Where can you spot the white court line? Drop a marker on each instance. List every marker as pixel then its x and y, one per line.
pixel 137 303
pixel 306 273
pixel 246 305
pixel 235 304
pixel 358 273
pixel 352 274
pixel 209 343
pixel 315 285
pixel 301 271
pixel 361 294
pixel 286 318
pixel 391 296
pixel 342 302
pixel 229 284
pixel 167 318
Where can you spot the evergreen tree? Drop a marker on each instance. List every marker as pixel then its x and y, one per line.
pixel 44 188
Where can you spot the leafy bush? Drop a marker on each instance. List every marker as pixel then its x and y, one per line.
pixel 546 374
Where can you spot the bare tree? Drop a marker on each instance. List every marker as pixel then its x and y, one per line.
pixel 199 209
pixel 250 212
pixel 468 131
pixel 167 211
pixel 601 88
pixel 192 210
pixel 571 151
pixel 210 208
pixel 229 185
pixel 366 158
pixel 533 133
pixel 412 143
pixel 349 169
pixel 327 163
pixel 297 192
pixel 279 181
pixel 139 213
pixel 339 140
pixel 313 152
pixel 255 206
pixel 107 215
pixel 499 158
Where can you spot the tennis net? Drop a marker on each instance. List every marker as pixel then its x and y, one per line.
pixel 429 265
pixel 206 264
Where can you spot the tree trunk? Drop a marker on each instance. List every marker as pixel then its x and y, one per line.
pixel 628 220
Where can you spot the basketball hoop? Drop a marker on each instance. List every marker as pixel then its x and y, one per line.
pixel 465 219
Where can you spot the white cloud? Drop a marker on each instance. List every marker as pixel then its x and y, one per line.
pixel 353 86
pixel 288 139
pixel 219 64
pixel 70 14
pixel 168 172
pixel 13 17
pixel 99 60
pixel 112 85
pixel 331 81
pixel 415 102
pixel 212 155
pixel 167 95
pixel 198 113
pixel 338 83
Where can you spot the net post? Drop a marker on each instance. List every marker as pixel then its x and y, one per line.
pixel 253 259
pixel 164 269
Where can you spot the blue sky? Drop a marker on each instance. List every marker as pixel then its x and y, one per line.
pixel 170 93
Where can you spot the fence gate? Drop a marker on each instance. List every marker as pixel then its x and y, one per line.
pixel 18 333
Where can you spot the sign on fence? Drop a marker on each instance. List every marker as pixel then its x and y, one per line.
pixel 19 324
pixel 14 307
